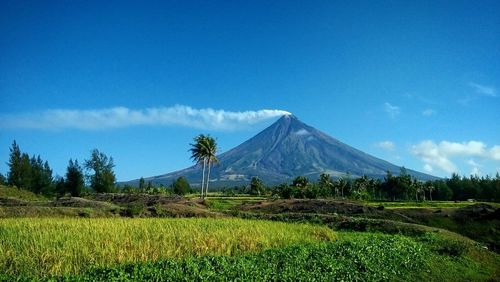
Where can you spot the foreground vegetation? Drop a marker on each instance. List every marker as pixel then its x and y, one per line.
pixel 354 257
pixel 70 248
pixel 48 246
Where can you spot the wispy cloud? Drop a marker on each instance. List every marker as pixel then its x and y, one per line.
pixel 392 111
pixel 428 112
pixel 386 145
pixel 428 168
pixel 440 155
pixel 302 132
pixel 474 167
pixel 483 89
pixel 495 152
pixel 119 117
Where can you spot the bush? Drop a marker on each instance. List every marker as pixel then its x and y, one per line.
pixel 132 211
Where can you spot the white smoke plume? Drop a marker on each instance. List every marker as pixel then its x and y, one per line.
pixel 120 117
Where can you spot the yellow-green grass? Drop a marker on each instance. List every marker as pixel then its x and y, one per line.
pixel 42 211
pixel 54 246
pixel 20 194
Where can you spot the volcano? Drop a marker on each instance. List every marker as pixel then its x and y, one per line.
pixel 286 149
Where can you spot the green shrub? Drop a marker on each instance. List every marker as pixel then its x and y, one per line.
pixel 133 210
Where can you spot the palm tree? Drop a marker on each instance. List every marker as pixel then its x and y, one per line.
pixel 203 151
pixel 210 150
pixel 198 153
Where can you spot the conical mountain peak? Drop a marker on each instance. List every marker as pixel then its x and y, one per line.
pixel 288 118
pixel 284 150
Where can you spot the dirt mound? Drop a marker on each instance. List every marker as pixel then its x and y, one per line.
pixel 478 211
pixel 77 202
pixel 8 202
pixel 144 205
pixel 148 200
pixel 310 206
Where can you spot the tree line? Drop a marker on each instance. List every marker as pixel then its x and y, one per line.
pixel 34 174
pixel 402 187
pixel 180 186
pixel 96 174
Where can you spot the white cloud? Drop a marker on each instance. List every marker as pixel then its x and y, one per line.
pixel 428 112
pixel 475 171
pixel 475 167
pixel 120 117
pixel 301 132
pixel 471 148
pixel 441 155
pixel 483 89
pixel 495 152
pixel 392 111
pixel 428 168
pixel 386 145
pixel 471 162
pixel 430 153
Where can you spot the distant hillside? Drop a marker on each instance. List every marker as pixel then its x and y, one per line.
pixel 286 149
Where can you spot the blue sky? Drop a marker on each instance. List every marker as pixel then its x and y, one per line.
pixel 415 83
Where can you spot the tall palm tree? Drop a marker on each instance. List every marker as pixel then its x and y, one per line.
pixel 198 153
pixel 203 150
pixel 210 150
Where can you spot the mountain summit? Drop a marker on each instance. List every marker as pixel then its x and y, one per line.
pixel 286 149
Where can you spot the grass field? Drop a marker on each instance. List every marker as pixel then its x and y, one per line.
pixel 56 246
pixel 354 257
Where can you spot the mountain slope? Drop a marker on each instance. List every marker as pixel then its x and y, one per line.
pixel 284 150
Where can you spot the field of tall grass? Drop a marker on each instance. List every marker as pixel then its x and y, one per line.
pixel 355 256
pixel 44 247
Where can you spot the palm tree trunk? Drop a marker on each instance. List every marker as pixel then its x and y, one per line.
pixel 203 177
pixel 208 177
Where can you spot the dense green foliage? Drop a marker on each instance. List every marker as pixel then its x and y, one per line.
pixel 181 186
pixel 16 174
pixel 35 175
pixel 103 178
pixel 74 179
pixel 32 173
pixel 256 186
pixel 402 187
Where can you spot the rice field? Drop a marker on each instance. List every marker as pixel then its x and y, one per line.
pixel 43 247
